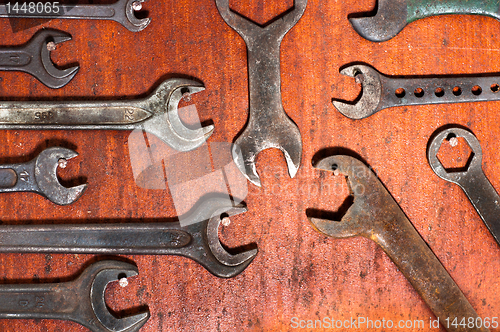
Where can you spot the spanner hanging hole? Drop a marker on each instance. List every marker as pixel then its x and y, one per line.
pixel 495 87
pixel 439 92
pixel 419 92
pixel 457 91
pixel 476 90
pixel 400 93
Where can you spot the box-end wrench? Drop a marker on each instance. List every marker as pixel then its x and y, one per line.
pixel 268 125
pixel 379 92
pixel 472 180
pixel 34 58
pixel 393 15
pixel 81 300
pixel 374 214
pixel 156 114
pixel 199 240
pixel 40 176
pixel 122 11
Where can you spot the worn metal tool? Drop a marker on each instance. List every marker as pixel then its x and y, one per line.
pixel 471 179
pixel 393 15
pixel 375 215
pixel 268 125
pixel 198 241
pixel 40 176
pixel 122 11
pixel 379 92
pixel 34 58
pixel 81 300
pixel 156 114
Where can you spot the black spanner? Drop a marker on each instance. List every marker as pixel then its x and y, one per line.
pixel 122 11
pixel 40 176
pixel 81 301
pixel 268 125
pixel 472 180
pixel 34 58
pixel 199 240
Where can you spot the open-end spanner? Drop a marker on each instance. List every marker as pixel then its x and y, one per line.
pixel 122 11
pixel 374 214
pixel 34 58
pixel 471 179
pixel 156 114
pixel 40 176
pixel 379 91
pixel 81 300
pixel 268 125
pixel 393 15
pixel 198 241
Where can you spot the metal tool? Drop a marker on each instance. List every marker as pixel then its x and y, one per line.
pixel 34 58
pixel 81 300
pixel 268 125
pixel 122 11
pixel 393 15
pixel 157 114
pixel 40 176
pixel 375 215
pixel 198 241
pixel 379 91
pixel 472 179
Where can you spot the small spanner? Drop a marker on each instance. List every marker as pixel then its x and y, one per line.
pixel 393 15
pixel 34 58
pixel 268 125
pixel 374 214
pixel 199 240
pixel 472 180
pixel 81 300
pixel 122 11
pixel 379 92
pixel 40 176
pixel 156 114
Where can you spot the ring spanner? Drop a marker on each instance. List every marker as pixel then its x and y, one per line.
pixel 81 300
pixel 268 125
pixel 374 214
pixel 379 92
pixel 472 180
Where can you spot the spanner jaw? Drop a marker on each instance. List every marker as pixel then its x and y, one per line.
pixel 130 21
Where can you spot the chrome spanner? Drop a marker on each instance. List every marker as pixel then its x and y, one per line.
pixel 379 92
pixel 268 125
pixel 472 180
pixel 375 215
pixel 81 300
pixel 122 11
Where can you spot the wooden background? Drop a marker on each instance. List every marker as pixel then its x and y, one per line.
pixel 298 272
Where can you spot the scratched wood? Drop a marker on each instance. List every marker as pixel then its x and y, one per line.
pixel 298 272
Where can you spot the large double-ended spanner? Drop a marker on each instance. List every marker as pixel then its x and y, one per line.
pixel 122 11
pixel 34 58
pixel 156 114
pixel 471 179
pixel 379 92
pixel 268 125
pixel 81 300
pixel 374 214
pixel 198 240
pixel 393 15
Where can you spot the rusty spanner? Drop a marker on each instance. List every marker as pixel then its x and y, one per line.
pixel 379 92
pixel 156 114
pixel 122 11
pixel 199 240
pixel 40 176
pixel 472 180
pixel 374 214
pixel 34 58
pixel 268 125
pixel 81 300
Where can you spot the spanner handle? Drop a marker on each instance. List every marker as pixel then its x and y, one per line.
pixel 418 9
pixel 13 59
pixel 18 178
pixel 63 11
